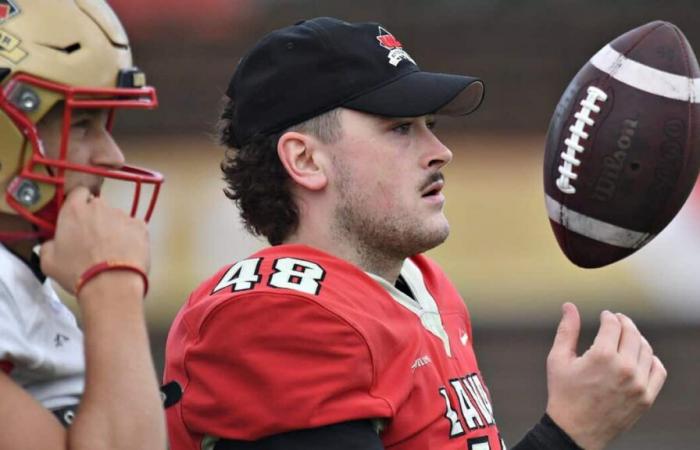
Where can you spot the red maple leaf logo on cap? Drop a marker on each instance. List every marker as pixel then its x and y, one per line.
pixel 387 40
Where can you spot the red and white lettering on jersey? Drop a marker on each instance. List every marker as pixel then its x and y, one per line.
pixel 293 338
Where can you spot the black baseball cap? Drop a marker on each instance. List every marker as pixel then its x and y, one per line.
pixel 296 73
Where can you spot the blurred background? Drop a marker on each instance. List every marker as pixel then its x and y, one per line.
pixel 501 254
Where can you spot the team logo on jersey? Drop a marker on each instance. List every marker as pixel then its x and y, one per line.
pixel 396 51
pixel 8 9
pixel 60 339
pixel 420 362
pixel 463 337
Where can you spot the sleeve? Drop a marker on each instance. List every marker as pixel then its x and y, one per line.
pixel 355 435
pixel 265 364
pixel 546 435
pixel 12 337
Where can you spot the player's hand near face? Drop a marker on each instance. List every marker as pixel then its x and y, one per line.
pixel 90 232
pixel 596 396
pixel 120 376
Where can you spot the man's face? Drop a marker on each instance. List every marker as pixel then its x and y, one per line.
pixel 387 178
pixel 89 144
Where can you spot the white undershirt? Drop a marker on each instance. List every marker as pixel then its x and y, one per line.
pixel 424 305
pixel 39 336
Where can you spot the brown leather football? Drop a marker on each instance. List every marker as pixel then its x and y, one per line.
pixel 623 146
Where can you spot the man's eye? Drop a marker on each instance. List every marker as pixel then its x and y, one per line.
pixel 431 124
pixel 403 128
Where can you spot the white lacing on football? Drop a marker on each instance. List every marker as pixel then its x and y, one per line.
pixel 573 142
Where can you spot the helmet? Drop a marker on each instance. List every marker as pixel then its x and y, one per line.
pixel 51 51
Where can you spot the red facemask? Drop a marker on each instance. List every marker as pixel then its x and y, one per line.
pixel 22 191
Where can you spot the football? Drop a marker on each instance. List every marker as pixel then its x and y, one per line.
pixel 623 146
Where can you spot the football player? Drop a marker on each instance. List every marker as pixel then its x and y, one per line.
pixel 342 334
pixel 65 67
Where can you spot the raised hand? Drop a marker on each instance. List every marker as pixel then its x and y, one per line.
pixel 596 396
pixel 88 232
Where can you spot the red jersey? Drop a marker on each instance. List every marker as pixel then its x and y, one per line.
pixel 293 338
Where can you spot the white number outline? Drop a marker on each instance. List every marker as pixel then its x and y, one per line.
pixel 237 269
pixel 288 284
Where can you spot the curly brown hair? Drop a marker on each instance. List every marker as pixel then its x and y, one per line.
pixel 256 179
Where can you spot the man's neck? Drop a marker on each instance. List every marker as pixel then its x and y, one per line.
pixel 23 248
pixel 367 259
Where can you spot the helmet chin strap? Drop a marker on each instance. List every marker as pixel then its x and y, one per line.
pixel 23 243
pixel 47 214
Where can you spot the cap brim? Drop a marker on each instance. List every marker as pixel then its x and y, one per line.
pixel 421 93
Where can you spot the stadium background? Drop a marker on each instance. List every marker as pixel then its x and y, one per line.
pixel 501 253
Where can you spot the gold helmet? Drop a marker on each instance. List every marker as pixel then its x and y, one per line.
pixel 70 51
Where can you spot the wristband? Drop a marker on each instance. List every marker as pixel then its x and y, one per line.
pixel 105 266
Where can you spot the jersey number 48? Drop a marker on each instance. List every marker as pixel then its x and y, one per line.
pixel 288 273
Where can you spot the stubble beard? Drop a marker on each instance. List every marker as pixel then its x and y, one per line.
pixel 380 239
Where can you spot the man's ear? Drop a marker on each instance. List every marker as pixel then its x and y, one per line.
pixel 301 158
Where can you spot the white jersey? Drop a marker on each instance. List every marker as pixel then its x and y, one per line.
pixel 41 346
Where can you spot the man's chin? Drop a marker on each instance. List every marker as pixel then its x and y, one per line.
pixel 442 235
pixel 433 238
pixel 442 229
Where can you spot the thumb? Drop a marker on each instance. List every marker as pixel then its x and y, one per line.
pixel 46 253
pixel 566 339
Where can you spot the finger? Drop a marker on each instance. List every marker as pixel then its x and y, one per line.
pixel 646 359
pixel 630 339
pixel 46 252
pixel 566 339
pixel 608 336
pixel 657 377
pixel 79 194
